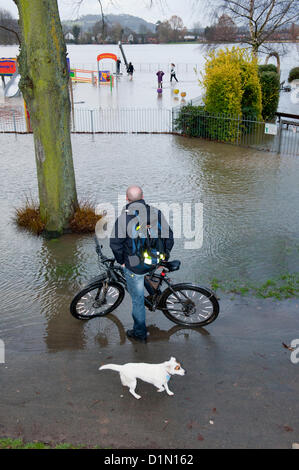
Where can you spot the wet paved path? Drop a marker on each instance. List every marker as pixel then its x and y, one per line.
pixel 240 391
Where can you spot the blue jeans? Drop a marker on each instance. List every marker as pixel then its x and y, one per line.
pixel 135 286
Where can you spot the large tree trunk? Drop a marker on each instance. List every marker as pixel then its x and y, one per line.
pixel 44 84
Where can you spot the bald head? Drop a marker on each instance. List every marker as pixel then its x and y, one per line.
pixel 134 193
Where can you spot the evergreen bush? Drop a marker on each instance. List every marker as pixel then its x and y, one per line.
pixel 294 74
pixel 270 84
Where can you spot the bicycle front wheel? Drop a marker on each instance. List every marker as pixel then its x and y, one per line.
pixel 96 300
pixel 188 304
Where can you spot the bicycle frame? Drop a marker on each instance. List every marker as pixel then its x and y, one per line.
pixel 116 274
pixel 103 288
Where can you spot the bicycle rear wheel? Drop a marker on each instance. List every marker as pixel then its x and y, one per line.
pixel 96 300
pixel 188 304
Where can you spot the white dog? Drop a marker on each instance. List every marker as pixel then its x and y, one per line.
pixel 156 374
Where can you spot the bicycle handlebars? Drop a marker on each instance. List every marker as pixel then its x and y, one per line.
pixel 100 253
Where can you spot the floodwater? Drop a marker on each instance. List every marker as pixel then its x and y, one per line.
pixel 141 92
pixel 250 202
pixel 250 234
pixel 250 229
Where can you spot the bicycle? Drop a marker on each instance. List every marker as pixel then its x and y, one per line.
pixel 182 303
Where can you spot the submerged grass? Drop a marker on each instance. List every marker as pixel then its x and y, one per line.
pixel 84 218
pixel 28 217
pixel 280 288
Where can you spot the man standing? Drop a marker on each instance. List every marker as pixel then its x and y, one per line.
pixel 131 228
pixel 130 70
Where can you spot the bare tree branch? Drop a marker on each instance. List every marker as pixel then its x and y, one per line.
pixel 11 31
pixel 263 17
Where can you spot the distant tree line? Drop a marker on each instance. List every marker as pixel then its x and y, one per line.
pixel 224 29
pixel 172 30
pixel 9 28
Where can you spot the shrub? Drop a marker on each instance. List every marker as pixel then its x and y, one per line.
pixel 251 102
pixel 190 121
pixel 84 219
pixel 232 88
pixel 194 121
pixel 294 74
pixel 267 68
pixel 28 217
pixel 222 83
pixel 270 84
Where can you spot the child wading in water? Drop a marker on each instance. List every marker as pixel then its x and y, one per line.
pixel 172 73
pixel 160 78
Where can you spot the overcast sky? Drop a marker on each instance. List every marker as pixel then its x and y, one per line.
pixel 190 11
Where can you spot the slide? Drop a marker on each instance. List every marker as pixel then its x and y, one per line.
pixel 12 88
pixel 123 54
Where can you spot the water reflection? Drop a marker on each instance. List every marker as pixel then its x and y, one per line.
pixel 112 331
pixel 248 218
pixel 63 266
pixel 251 226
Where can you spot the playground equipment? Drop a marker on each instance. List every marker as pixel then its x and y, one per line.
pixel 183 94
pixel 176 91
pixel 123 54
pixel 159 90
pixel 9 68
pixel 105 76
pixel 83 76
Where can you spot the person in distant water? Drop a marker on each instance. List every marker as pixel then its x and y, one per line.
pixel 130 70
pixel 160 74
pixel 118 62
pixel 172 73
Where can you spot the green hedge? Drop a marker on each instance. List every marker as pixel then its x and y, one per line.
pixel 294 74
pixel 270 84
pixel 190 121
pixel 194 121
pixel 267 68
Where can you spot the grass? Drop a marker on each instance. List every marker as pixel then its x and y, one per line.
pixel 280 288
pixel 28 217
pixel 8 443
pixel 84 218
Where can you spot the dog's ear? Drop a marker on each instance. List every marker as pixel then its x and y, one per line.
pixel 172 359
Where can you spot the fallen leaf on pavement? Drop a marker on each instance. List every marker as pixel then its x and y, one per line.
pixel 288 347
pixel 288 428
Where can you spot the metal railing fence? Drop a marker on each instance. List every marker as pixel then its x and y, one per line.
pixel 122 120
pixel 243 131
pixel 150 67
pixel 187 120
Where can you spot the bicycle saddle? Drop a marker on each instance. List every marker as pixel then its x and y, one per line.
pixel 171 265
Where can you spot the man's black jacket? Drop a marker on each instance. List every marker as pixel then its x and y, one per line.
pixel 121 241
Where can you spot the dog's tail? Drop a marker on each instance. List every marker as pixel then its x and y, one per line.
pixel 112 367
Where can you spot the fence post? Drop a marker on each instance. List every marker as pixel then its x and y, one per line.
pixel 279 136
pixel 91 122
pixel 14 123
pixel 172 120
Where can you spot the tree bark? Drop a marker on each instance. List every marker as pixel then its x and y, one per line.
pixel 44 84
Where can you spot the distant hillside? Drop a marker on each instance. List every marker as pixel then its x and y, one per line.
pixel 134 23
